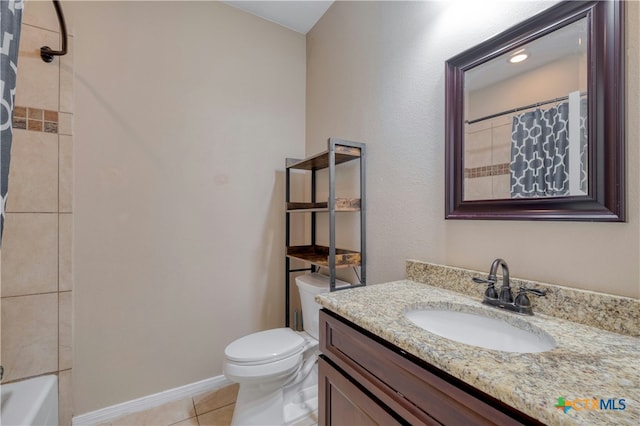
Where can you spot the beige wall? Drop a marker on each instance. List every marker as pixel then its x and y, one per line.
pixel 375 73
pixel 185 114
pixel 36 277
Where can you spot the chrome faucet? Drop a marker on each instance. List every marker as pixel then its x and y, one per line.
pixel 504 300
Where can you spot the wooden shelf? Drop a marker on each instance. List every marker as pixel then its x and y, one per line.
pixel 319 256
pixel 321 161
pixel 342 205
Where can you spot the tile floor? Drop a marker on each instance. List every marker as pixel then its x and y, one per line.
pixel 210 408
pixel 213 408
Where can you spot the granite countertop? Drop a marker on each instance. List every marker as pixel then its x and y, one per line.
pixel 587 363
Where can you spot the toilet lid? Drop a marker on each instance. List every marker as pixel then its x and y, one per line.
pixel 266 346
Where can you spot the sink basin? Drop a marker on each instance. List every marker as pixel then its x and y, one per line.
pixel 473 328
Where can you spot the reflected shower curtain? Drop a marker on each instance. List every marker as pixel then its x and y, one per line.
pixel 10 20
pixel 583 145
pixel 539 153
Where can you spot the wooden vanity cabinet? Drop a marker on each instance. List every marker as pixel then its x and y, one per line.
pixel 365 380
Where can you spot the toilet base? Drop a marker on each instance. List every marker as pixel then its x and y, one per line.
pixel 273 404
pixel 256 405
pixel 301 400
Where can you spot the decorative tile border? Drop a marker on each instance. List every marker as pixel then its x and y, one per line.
pixel 605 311
pixel 35 119
pixel 484 171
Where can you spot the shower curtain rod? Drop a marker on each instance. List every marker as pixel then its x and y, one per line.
pixel 46 53
pixel 511 111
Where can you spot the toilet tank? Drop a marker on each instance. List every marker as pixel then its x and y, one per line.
pixel 308 286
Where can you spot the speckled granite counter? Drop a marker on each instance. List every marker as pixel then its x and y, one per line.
pixel 606 311
pixel 587 363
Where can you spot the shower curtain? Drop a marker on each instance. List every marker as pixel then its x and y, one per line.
pixel 10 20
pixel 539 153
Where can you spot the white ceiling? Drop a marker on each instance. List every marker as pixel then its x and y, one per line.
pixel 298 15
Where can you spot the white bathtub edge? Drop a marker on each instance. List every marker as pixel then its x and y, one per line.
pixel 107 414
pixel 30 401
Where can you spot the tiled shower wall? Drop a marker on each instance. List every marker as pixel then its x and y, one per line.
pixel 37 279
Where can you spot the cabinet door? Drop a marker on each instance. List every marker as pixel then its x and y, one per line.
pixel 342 403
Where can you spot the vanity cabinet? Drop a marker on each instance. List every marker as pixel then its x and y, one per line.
pixel 364 379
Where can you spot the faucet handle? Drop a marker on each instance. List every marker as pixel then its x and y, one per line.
pixel 523 303
pixel 490 292
pixel 535 291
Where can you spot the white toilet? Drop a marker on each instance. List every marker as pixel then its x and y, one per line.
pixel 277 369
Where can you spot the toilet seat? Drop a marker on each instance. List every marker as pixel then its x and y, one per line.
pixel 265 346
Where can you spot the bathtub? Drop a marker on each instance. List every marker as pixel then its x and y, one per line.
pixel 30 402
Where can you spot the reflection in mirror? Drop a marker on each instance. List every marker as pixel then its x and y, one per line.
pixel 535 119
pixel 525 120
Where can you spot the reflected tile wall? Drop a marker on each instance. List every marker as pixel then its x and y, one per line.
pixel 487 155
pixel 36 279
pixel 479 188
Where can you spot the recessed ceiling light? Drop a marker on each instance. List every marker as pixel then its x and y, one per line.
pixel 518 57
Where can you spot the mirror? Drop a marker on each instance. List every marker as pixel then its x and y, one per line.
pixel 535 119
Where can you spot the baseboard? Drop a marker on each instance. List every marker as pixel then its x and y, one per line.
pixel 107 414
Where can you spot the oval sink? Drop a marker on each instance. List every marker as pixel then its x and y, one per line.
pixel 479 330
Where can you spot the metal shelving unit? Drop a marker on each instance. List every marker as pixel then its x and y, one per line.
pixel 338 152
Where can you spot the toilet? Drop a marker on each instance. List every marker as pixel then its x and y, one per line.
pixel 277 369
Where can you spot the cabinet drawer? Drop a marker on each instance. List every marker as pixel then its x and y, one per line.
pixel 415 390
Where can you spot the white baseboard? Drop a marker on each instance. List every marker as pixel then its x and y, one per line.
pixel 107 414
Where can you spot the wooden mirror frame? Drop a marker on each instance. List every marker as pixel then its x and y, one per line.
pixel 605 200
